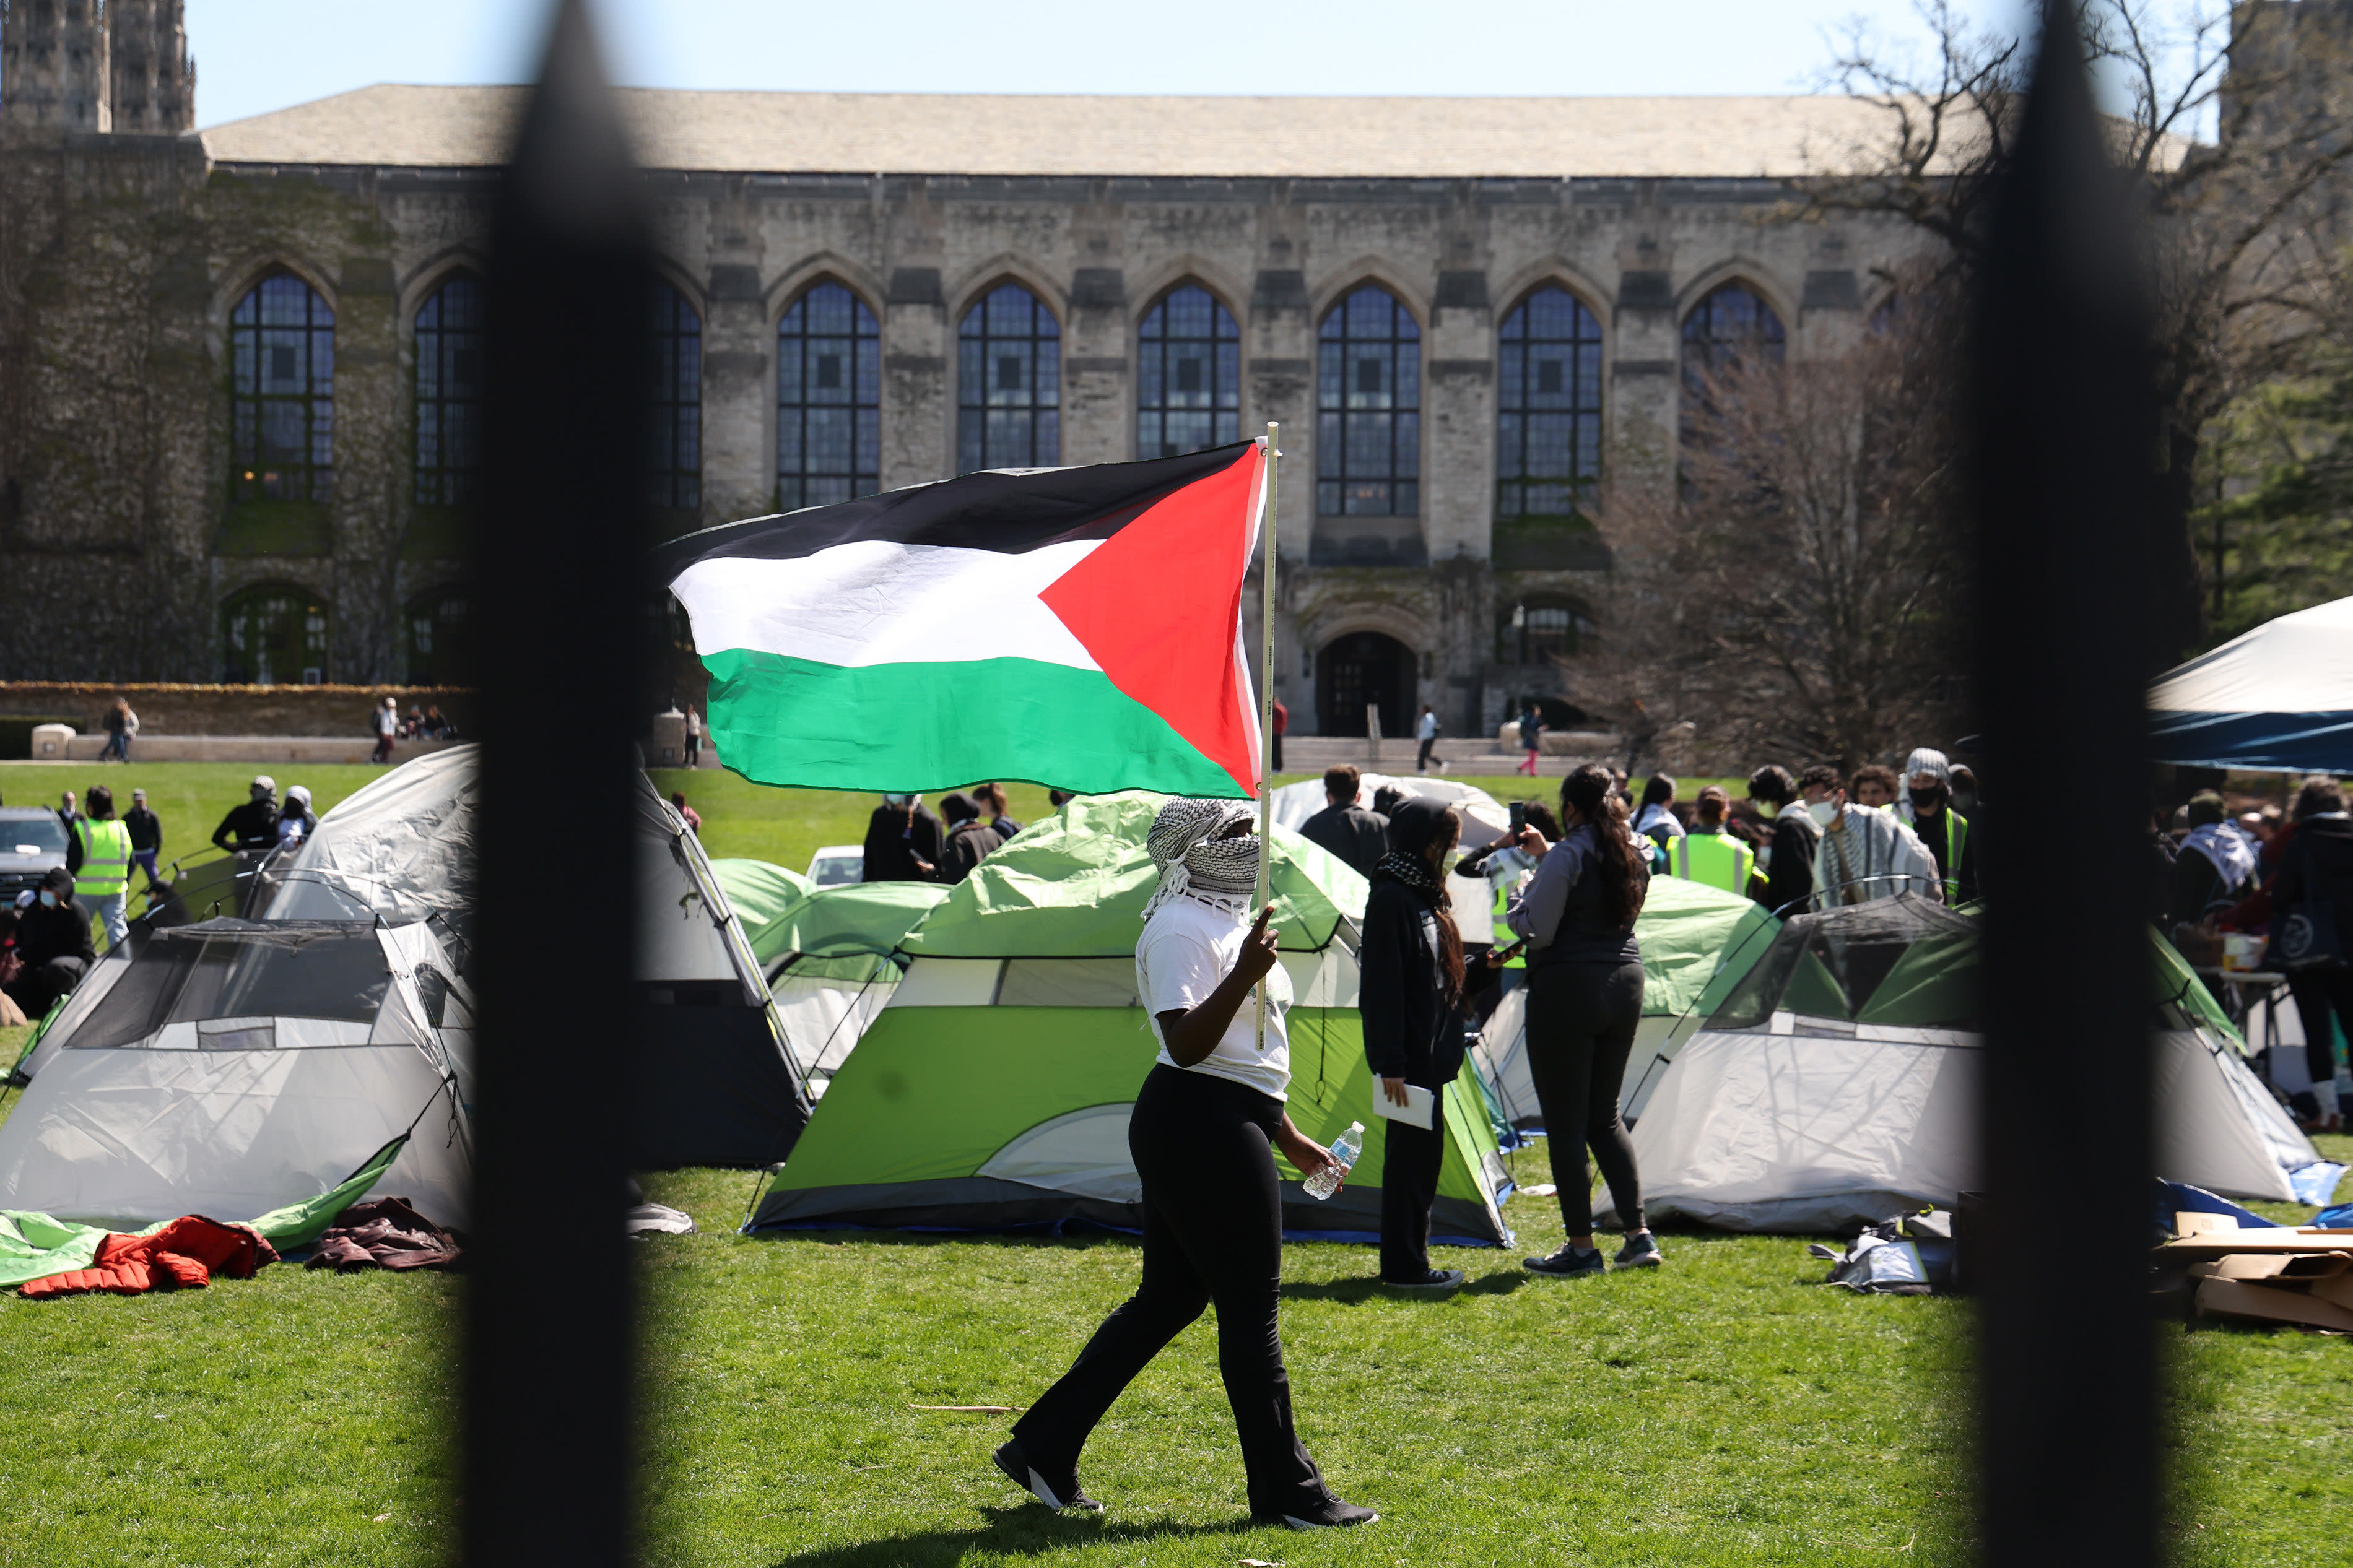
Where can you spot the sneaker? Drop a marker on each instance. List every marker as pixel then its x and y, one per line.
pixel 1432 1281
pixel 1330 1514
pixel 1058 1494
pixel 1640 1252
pixel 1568 1263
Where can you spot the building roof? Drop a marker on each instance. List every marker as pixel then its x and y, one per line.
pixel 939 133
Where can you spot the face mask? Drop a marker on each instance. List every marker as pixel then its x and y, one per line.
pixel 1965 802
pixel 1767 810
pixel 1822 811
pixel 1930 800
pixel 48 899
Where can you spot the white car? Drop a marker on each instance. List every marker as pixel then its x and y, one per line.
pixel 837 863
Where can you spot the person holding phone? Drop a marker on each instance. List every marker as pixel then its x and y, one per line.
pixel 1585 999
pixel 1411 960
pixel 1203 1134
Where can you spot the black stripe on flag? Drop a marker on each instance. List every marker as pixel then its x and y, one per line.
pixel 1010 514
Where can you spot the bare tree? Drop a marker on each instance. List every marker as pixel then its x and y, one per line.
pixel 2236 258
pixel 1798 598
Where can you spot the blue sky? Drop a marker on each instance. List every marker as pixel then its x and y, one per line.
pixel 254 56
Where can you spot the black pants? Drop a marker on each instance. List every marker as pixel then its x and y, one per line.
pixel 2319 993
pixel 1421 758
pixel 1277 738
pixel 1581 1019
pixel 1409 1161
pixel 1212 1232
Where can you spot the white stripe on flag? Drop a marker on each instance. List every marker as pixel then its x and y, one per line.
pixel 875 602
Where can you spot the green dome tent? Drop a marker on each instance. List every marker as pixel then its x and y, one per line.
pixel 1697 940
pixel 833 963
pixel 993 1089
pixel 1834 1084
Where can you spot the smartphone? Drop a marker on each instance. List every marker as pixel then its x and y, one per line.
pixel 1505 954
pixel 1519 817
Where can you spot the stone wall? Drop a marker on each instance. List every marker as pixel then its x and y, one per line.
pixel 195 709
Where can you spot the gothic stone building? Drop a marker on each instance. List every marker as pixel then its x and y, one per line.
pixel 238 367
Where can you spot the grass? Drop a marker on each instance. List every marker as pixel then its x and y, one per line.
pixel 1727 1409
pixel 190 797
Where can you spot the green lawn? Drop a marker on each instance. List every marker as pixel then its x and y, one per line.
pixel 1727 1409
pixel 190 797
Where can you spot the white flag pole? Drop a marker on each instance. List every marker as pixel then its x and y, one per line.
pixel 1266 705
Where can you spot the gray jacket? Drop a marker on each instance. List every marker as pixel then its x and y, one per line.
pixel 1561 910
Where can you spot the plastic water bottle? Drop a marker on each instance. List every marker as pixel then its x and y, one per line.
pixel 1344 1149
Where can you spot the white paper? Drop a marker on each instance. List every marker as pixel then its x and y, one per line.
pixel 1421 1107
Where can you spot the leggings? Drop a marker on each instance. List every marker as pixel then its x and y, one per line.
pixel 1581 1019
pixel 2319 993
pixel 1212 1232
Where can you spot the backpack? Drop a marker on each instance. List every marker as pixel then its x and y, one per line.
pixel 1909 1255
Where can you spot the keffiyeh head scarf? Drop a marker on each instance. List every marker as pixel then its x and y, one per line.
pixel 1194 862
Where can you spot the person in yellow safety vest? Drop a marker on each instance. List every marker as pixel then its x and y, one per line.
pixel 1927 810
pixel 1708 854
pixel 98 855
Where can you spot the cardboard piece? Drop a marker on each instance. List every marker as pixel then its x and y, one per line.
pixel 2187 1222
pixel 2221 1297
pixel 2337 1288
pixel 2221 1243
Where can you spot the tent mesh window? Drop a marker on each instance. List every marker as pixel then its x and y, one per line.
pixel 234 969
pixel 1902 961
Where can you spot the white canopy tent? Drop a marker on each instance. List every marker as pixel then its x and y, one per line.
pixel 1484 820
pixel 2278 697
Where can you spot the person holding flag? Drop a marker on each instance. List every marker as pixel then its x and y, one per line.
pixel 1203 1135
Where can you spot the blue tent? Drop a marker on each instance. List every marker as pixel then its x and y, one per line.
pixel 2279 697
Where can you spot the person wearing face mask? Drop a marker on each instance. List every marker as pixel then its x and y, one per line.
pixel 903 841
pixel 1411 959
pixel 1866 854
pixel 1788 875
pixel 1927 810
pixel 1202 1134
pixel 254 825
pixel 53 950
pixel 295 821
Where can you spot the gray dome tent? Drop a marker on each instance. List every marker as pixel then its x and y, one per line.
pixel 1836 1084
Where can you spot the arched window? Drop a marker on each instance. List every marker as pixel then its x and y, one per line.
pixel 1188 375
pixel 1730 325
pixel 282 338
pixel 1538 633
pixel 674 466
pixel 828 400
pixel 1548 432
pixel 1008 383
pixel 449 393
pixel 1369 409
pixel 435 628
pixel 274 633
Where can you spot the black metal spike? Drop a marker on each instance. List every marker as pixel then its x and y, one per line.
pixel 2064 428
pixel 557 593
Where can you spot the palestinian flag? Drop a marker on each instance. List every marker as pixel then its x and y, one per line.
pixel 1078 627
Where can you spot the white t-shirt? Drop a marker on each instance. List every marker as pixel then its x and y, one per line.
pixel 1185 951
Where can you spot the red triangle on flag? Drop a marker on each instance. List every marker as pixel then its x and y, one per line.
pixel 1157 605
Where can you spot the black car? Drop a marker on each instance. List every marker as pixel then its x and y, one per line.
pixel 32 840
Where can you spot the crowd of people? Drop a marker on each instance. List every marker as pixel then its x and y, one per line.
pixel 2286 877
pixel 388 726
pixel 47 939
pixel 907 842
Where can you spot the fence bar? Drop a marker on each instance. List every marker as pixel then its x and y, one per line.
pixel 559 603
pixel 2065 430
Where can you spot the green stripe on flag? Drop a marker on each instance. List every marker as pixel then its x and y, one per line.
pixel 914 728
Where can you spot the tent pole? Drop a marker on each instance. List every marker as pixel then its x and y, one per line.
pixel 1266 703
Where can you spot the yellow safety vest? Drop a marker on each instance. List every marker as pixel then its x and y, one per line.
pixel 1503 933
pixel 105 858
pixel 1956 839
pixel 1716 859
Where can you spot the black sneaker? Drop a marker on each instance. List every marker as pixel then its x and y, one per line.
pixel 1433 1282
pixel 1329 1514
pixel 1059 1493
pixel 1568 1263
pixel 1640 1252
